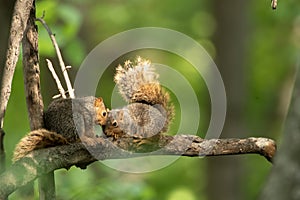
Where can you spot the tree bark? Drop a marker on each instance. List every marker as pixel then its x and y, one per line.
pixel 31 72
pixel 18 25
pixel 6 10
pixel 43 161
pixel 34 99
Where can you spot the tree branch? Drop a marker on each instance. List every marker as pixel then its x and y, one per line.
pixel 18 25
pixel 43 161
pixel 59 56
pixel 31 70
pixel 34 99
pixel 57 81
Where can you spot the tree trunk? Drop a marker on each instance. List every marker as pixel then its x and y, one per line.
pixel 6 10
pixel 284 181
pixel 224 173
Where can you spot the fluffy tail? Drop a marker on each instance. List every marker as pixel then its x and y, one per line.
pixel 138 83
pixel 133 75
pixel 37 139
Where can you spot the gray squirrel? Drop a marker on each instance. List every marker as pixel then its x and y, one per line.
pixel 149 111
pixel 66 121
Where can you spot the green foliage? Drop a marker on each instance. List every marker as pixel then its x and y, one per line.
pixel 67 20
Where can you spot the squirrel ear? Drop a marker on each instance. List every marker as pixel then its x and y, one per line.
pixel 98 101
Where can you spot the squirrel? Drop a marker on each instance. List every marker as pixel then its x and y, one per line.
pixel 149 111
pixel 66 121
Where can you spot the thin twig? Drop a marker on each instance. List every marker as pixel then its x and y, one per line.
pixel 59 56
pixel 58 83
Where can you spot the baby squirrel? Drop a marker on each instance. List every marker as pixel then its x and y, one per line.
pixel 67 121
pixel 149 111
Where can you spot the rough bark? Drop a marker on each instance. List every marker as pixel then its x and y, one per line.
pixel 43 161
pixel 31 71
pixel 34 99
pixel 6 10
pixel 18 25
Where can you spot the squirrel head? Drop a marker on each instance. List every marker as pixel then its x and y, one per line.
pixel 101 111
pixel 112 125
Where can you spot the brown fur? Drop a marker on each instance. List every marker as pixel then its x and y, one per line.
pixel 37 139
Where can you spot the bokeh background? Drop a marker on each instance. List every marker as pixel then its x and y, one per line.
pixel 255 48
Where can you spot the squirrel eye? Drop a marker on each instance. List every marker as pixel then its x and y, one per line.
pixel 104 113
pixel 115 123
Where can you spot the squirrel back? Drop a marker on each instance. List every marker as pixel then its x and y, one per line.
pixel 149 111
pixel 73 118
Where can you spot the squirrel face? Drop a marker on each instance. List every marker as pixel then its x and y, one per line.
pixel 112 128
pixel 101 111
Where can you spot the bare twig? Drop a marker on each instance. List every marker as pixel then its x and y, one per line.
pixel 59 56
pixel 43 161
pixel 274 4
pixel 59 86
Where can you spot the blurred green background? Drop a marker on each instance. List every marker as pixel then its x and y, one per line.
pixel 256 49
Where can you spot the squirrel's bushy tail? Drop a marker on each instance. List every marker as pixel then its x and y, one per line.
pixel 37 139
pixel 133 75
pixel 138 83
